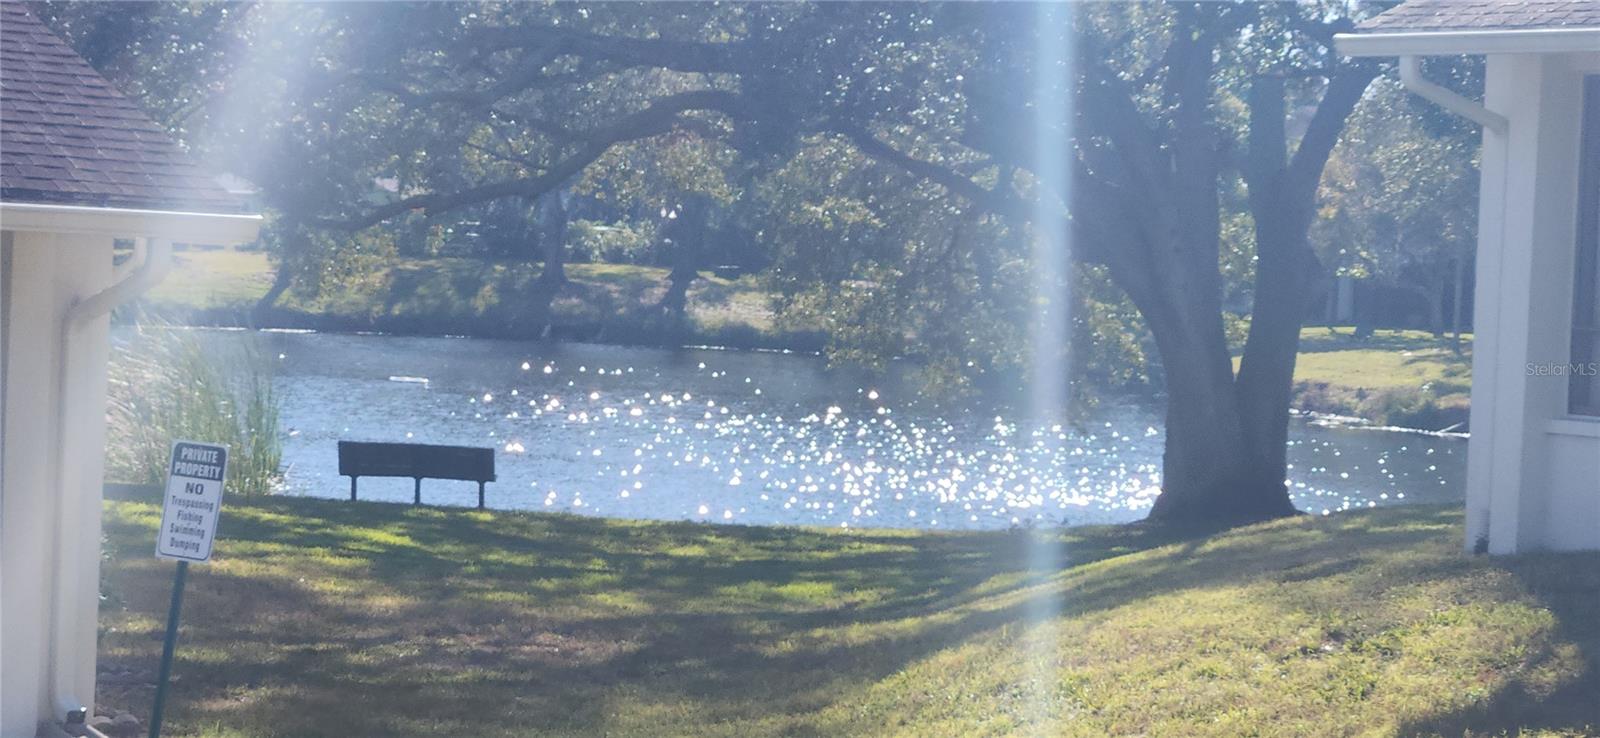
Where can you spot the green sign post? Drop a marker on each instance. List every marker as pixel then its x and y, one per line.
pixel 188 527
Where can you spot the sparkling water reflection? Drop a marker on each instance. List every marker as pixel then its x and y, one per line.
pixel 762 438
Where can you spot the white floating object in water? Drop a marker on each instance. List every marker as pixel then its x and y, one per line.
pixel 412 380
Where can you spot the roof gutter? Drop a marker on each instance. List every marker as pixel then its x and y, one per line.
pixel 1501 41
pixel 225 229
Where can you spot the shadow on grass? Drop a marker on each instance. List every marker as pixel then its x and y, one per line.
pixel 473 595
pixel 1568 585
pixel 1318 341
pixel 452 620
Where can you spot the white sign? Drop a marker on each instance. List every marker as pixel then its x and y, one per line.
pixel 194 501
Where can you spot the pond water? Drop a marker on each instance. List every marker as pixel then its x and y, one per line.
pixel 761 438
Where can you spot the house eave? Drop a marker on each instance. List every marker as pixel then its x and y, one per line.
pixel 184 227
pixel 1502 41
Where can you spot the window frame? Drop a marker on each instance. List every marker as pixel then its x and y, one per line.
pixel 1583 397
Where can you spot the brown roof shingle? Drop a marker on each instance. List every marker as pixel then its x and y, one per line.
pixel 1421 16
pixel 67 137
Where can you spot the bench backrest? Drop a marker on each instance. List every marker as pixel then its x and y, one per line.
pixel 416 460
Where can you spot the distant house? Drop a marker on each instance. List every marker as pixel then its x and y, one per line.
pixel 1533 464
pixel 80 166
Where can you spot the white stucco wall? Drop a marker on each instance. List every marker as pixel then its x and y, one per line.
pixel 1533 471
pixel 37 502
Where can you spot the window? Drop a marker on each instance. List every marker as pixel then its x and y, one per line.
pixel 1585 396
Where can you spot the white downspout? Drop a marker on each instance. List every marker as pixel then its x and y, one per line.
pixel 1411 78
pixel 131 283
pixel 157 263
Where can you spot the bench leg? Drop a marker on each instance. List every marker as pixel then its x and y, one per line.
pixel 416 492
pixel 480 495
pixel 352 489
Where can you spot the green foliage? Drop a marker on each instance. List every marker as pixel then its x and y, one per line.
pixel 1401 195
pixel 612 243
pixel 1112 346
pixel 902 270
pixel 331 263
pixel 165 387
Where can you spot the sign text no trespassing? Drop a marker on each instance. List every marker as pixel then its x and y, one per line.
pixel 193 501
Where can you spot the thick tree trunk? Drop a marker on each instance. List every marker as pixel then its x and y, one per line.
pixel 1206 461
pixel 1432 295
pixel 1456 307
pixel 1227 436
pixel 281 282
pixel 1216 466
pixel 1365 319
pixel 552 213
pixel 540 313
pixel 686 234
pixel 1436 306
pixel 1285 274
pixel 676 299
pixel 293 244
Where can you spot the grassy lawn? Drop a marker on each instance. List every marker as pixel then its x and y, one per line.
pixel 467 288
pixel 1398 377
pixel 471 296
pixel 1387 359
pixel 324 618
pixel 213 279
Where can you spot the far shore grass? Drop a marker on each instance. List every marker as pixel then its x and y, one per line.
pixel 1393 377
pixel 328 618
pixel 459 296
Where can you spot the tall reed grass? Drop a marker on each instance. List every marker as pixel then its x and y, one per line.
pixel 164 386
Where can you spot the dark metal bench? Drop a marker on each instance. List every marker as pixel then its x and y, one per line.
pixel 416 460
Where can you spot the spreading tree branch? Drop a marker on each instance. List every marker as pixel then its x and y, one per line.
pixel 660 116
pixel 1344 91
pixel 955 182
pixel 676 55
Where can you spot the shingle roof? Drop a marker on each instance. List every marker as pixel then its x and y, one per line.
pixel 1422 16
pixel 67 137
